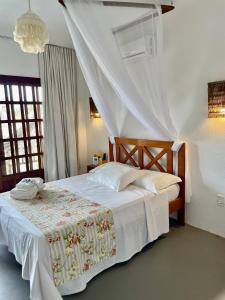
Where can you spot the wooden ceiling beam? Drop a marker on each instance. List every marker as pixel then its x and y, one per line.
pixel 165 8
pixel 62 2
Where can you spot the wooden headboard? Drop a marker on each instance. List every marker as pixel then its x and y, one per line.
pixel 147 154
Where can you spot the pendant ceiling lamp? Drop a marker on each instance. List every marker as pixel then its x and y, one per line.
pixel 31 32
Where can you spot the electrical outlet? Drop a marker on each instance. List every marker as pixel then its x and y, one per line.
pixel 220 200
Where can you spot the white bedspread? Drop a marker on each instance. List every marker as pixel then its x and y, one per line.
pixel 140 217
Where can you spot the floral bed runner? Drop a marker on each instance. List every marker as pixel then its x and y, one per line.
pixel 80 233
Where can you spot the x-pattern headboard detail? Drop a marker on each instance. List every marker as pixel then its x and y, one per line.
pixel 145 158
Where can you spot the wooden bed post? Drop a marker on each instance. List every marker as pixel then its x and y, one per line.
pixel 111 154
pixel 181 174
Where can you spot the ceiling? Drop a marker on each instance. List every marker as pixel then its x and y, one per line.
pixel 50 12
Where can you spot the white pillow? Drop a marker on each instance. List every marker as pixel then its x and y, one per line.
pixel 115 175
pixel 99 167
pixel 111 163
pixel 155 181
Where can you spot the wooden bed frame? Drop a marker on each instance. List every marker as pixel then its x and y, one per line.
pixel 142 151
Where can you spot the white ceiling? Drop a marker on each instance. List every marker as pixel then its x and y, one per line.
pixel 49 11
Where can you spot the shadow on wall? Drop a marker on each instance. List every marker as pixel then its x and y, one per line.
pixel 208 176
pixel 221 296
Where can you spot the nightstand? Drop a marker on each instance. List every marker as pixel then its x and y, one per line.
pixel 91 167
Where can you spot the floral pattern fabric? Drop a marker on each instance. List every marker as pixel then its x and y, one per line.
pixel 80 233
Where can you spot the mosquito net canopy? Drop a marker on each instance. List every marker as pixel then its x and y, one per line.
pixel 120 51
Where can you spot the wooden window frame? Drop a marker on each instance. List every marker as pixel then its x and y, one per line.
pixel 8 181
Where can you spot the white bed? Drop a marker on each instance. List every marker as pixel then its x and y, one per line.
pixel 140 217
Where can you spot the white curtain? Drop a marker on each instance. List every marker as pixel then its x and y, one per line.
pixel 60 107
pixel 120 53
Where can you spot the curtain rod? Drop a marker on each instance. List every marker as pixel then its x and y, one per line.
pixel 165 8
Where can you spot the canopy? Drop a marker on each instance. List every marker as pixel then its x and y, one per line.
pixel 120 51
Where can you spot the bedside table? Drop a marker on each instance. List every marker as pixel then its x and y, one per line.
pixel 91 167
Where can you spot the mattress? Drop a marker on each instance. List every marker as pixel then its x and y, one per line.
pixel 140 217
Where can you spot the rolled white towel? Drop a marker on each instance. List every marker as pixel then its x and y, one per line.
pixel 28 183
pixel 24 194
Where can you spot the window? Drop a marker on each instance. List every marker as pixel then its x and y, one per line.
pixel 21 132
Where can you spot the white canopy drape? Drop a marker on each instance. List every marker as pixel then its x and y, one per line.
pixel 120 53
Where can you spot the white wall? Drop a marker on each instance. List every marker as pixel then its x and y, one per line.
pixel 93 136
pixel 97 137
pixel 92 132
pixel 195 55
pixel 14 62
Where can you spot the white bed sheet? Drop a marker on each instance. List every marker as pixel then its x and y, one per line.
pixel 140 217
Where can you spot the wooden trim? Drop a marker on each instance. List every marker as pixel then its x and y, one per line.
pixel 22 138
pixel 10 128
pixel 21 120
pixel 6 79
pixel 111 154
pixel 165 8
pixel 23 102
pixel 62 3
pixel 13 126
pixel 181 174
pixel 22 156
pixel 2 167
pixel 170 161
pixel 140 157
pixel 142 148
pixel 32 173
pixel 117 152
pixel 175 205
pixel 128 155
pixel 36 128
pixel 154 159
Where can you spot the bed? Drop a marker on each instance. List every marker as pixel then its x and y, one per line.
pixel 139 217
pixel 174 163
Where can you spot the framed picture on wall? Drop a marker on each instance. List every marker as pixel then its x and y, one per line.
pixel 216 99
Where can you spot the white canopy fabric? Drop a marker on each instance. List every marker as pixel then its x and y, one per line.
pixel 120 53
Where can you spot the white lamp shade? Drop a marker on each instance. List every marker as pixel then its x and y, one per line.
pixel 31 33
